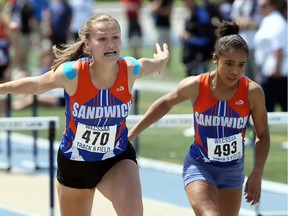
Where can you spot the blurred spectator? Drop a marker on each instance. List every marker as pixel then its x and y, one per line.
pixel 224 9
pixel 15 11
pixel 213 9
pixel 79 16
pixel 132 10
pixel 271 54
pixel 27 25
pixel 57 21
pixel 197 38
pixel 39 7
pixel 246 14
pixel 161 11
pixel 9 43
pixel 283 8
pixel 22 12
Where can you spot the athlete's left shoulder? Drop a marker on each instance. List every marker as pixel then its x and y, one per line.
pixel 132 64
pixel 254 86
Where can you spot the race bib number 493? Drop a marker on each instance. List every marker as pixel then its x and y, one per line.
pixel 95 139
pixel 225 149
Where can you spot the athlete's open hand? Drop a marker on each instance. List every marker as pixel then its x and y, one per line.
pixel 252 189
pixel 162 55
pixel 155 64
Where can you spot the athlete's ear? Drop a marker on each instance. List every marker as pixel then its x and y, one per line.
pixel 86 46
pixel 214 58
pixel 87 50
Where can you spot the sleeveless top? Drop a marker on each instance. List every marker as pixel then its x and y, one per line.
pixel 4 46
pixel 220 125
pixel 96 118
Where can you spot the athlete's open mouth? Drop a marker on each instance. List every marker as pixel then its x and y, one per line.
pixel 112 53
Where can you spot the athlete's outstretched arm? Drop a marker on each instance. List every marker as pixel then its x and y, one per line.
pixel 34 85
pixel 186 90
pixel 262 143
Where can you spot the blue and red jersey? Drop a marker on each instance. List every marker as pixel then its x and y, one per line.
pixel 96 118
pixel 220 125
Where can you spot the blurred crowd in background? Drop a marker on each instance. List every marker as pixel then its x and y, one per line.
pixel 27 25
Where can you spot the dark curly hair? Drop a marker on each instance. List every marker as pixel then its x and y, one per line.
pixel 228 37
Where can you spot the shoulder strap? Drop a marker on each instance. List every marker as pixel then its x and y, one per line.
pixel 137 68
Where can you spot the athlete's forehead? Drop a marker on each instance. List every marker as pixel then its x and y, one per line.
pixel 234 55
pixel 105 28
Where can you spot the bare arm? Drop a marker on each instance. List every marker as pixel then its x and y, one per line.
pixel 35 85
pixel 262 142
pixel 186 90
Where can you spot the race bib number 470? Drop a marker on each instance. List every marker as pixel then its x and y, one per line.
pixel 95 139
pixel 225 149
